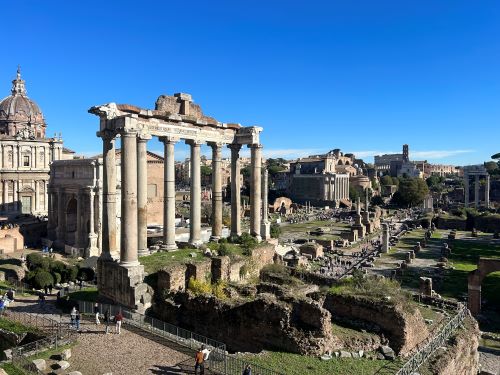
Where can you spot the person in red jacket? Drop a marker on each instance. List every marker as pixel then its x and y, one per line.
pixel 118 320
pixel 199 362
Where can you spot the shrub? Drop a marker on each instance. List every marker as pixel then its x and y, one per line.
pixel 85 274
pixel 57 277
pixel 275 230
pixel 57 266
pixel 42 279
pixel 36 260
pixel 224 250
pixel 199 287
pixel 219 289
pixel 69 274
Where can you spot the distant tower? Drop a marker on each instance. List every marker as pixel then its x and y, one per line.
pixel 406 154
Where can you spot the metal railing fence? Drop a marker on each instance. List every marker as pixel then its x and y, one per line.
pixel 219 361
pixel 432 344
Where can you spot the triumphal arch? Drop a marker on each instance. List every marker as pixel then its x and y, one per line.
pixel 175 118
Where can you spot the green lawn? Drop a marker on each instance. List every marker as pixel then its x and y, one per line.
pixel 86 294
pixel 12 370
pixel 154 262
pixel 296 364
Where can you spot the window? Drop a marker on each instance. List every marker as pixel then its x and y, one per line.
pixel 26 161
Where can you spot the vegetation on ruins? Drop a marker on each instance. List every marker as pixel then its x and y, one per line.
pixel 411 192
pixel 373 288
pixel 275 230
pixel 200 287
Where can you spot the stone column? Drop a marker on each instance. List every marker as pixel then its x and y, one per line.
pixel 235 190
pixel 265 230
pixel 15 163
pixel 108 196
pixel 255 190
pixel 16 197
pixel 5 195
pixel 216 191
pixel 61 216
pixel 79 210
pixel 91 249
pixel 128 231
pixel 37 196
pixel 195 195
pixel 142 195
pixel 385 238
pixel 466 189
pixel 487 192
pixel 169 194
pixel 476 191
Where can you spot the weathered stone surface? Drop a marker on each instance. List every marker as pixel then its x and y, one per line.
pixel 40 364
pixel 296 326
pixel 3 372
pixel 344 354
pixel 404 329
pixel 388 352
pixel 60 367
pixel 74 373
pixel 66 354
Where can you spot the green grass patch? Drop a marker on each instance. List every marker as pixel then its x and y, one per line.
pixel 296 364
pixel 15 327
pixel 46 354
pixel 154 262
pixel 86 294
pixel 13 370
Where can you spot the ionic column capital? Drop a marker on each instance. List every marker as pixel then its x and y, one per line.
pixel 106 134
pixel 216 145
pixel 194 142
pixel 255 146
pixel 169 140
pixel 129 133
pixel 234 147
pixel 143 137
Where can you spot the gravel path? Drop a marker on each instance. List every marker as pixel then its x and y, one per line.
pixel 98 353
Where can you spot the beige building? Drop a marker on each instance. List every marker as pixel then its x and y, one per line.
pixel 25 154
pixel 75 213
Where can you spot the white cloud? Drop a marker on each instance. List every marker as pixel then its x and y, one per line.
pixel 438 154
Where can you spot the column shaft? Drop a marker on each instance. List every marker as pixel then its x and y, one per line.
pixel 5 195
pixel 195 194
pixel 37 196
pixel 109 197
pixel 142 196
pixel 466 189
pixel 476 191
pixel 216 191
pixel 487 192
pixel 61 216
pixel 16 198
pixel 169 194
pixel 255 190
pixel 128 242
pixel 79 210
pixel 235 190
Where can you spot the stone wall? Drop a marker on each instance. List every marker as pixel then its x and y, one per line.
pixel 451 223
pixel 461 356
pixel 262 323
pixel 404 329
pixel 10 240
pixel 172 278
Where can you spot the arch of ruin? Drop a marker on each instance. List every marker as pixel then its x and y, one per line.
pixel 484 267
pixel 175 118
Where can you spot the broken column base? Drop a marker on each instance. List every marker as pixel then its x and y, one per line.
pixel 123 285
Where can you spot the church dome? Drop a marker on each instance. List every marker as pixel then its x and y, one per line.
pixel 17 111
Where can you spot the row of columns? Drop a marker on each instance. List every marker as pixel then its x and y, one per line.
pixel 476 190
pixel 5 200
pixel 134 194
pixel 49 154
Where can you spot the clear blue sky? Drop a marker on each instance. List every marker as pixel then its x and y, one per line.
pixel 363 76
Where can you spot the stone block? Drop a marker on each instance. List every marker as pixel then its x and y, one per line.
pixel 387 352
pixel 40 364
pixel 344 354
pixel 60 367
pixel 2 372
pixel 74 373
pixel 66 354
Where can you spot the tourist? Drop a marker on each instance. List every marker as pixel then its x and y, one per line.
pixel 77 320
pixel 107 319
pixel 72 316
pixel 10 295
pixel 206 352
pixel 118 322
pixel 41 299
pixel 247 370
pixel 96 312
pixel 198 362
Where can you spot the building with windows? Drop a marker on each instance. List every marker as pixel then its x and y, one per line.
pixel 76 201
pixel 25 154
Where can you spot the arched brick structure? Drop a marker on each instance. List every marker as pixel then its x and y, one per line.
pixel 484 267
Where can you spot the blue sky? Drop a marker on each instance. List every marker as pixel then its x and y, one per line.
pixel 363 76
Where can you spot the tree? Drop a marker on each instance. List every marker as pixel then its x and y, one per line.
pixel 377 201
pixel 275 230
pixel 42 279
pixel 205 170
pixel 411 192
pixel 386 180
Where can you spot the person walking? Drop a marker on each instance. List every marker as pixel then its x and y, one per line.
pixel 247 370
pixel 107 319
pixel 199 365
pixel 77 320
pixel 96 312
pixel 118 320
pixel 72 316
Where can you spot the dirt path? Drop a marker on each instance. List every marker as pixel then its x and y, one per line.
pixel 98 353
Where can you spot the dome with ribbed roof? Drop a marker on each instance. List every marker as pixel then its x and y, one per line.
pixel 19 115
